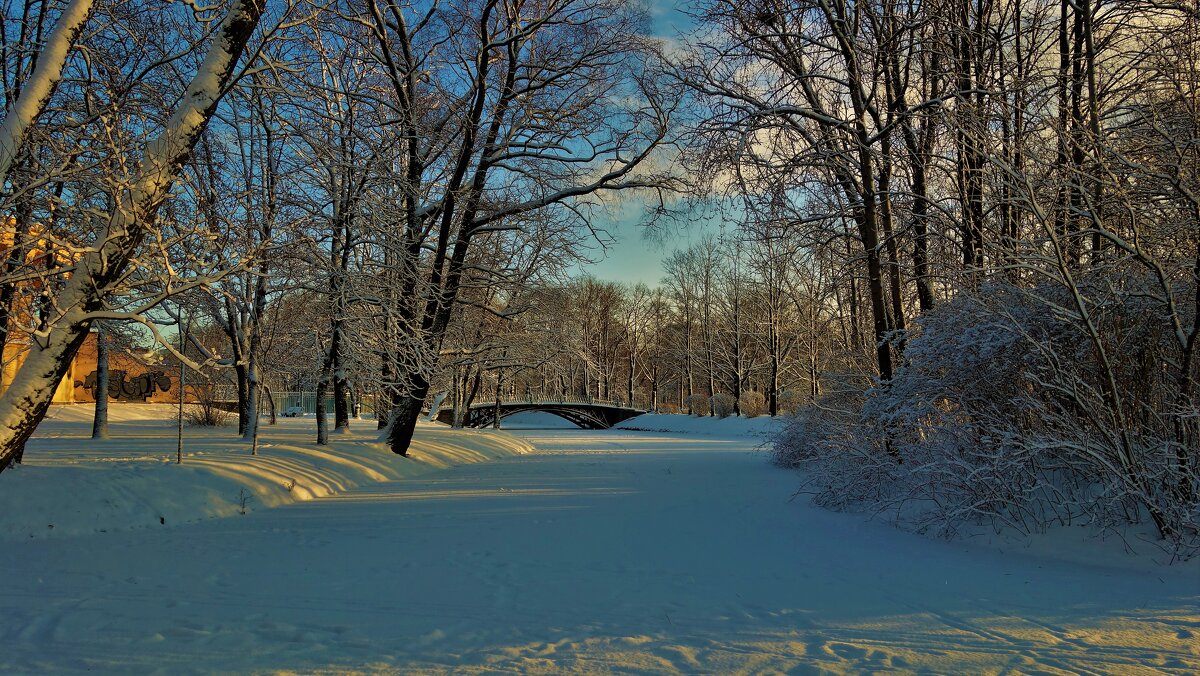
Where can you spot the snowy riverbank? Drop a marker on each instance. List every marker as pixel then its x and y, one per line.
pixel 72 485
pixel 597 551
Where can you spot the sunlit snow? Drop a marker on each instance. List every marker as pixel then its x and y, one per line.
pixel 630 551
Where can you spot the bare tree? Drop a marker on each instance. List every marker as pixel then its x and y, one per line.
pixel 512 117
pixel 120 234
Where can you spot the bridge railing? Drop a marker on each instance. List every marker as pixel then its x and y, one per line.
pixel 535 399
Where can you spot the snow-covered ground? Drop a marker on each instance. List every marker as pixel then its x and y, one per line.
pixel 761 427
pixel 72 485
pixel 621 551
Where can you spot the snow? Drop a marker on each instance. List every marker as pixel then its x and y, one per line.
pixel 601 551
pixel 762 426
pixel 72 485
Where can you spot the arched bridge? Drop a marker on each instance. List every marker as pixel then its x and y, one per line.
pixel 592 414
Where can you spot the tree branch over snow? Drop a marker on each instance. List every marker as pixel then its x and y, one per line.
pixel 130 221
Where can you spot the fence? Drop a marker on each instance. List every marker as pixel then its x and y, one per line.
pixel 284 400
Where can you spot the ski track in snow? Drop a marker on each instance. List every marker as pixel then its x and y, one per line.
pixel 602 552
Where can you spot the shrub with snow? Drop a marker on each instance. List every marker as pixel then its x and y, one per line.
pixel 1005 411
pixel 790 401
pixel 207 411
pixel 753 404
pixel 723 405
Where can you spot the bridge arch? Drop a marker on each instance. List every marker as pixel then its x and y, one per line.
pixel 574 415
pixel 587 414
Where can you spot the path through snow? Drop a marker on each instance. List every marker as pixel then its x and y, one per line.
pixel 604 551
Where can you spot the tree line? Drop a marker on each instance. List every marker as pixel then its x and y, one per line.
pixel 1007 191
pixel 361 163
pixel 726 332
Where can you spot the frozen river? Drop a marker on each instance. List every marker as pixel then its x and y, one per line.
pixel 603 551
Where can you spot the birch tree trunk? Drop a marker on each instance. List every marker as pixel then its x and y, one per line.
pixel 35 95
pixel 26 400
pixel 323 383
pixel 253 396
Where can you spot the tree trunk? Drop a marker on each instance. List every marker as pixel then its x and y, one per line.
pixel 270 402
pixel 814 387
pixel 253 395
pixel 773 389
pixel 654 389
pixel 341 395
pixel 1062 214
pixel 100 388
pixel 458 393
pixel 404 415
pixel 868 231
pixel 322 416
pixel 496 412
pixel 476 382
pixel 896 322
pixel 687 357
pixel 323 383
pixel 853 300
pixel 629 382
pixel 738 374
pixel 243 398
pixel 328 378
pixel 969 141
pixel 814 375
pixel 182 391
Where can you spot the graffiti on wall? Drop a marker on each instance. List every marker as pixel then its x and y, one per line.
pixel 137 388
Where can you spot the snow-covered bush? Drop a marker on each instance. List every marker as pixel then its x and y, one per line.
pixel 790 401
pixel 752 404
pixel 698 404
pixel 207 411
pixel 1015 408
pixel 723 405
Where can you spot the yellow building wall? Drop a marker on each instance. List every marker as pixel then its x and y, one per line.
pixel 63 394
pixel 17 347
pixel 84 363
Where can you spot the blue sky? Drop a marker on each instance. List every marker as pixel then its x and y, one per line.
pixel 667 19
pixel 632 257
pixel 636 255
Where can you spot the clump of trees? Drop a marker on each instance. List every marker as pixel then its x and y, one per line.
pixel 368 168
pixel 719 336
pixel 1006 193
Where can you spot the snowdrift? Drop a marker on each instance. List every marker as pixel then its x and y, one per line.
pixel 71 485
